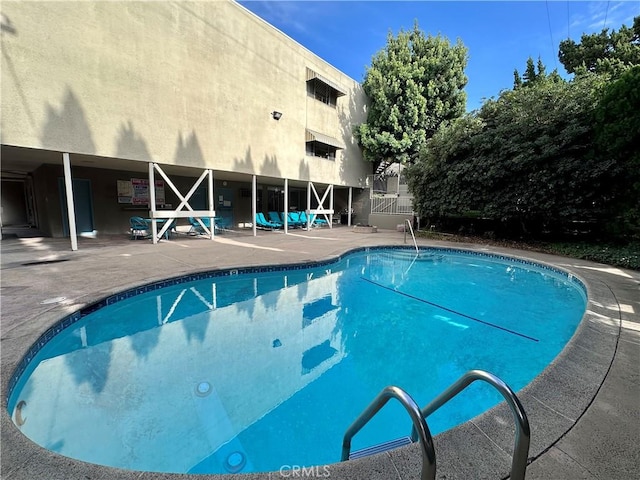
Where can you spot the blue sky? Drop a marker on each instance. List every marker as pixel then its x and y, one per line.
pixel 500 35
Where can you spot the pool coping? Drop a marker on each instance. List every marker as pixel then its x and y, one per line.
pixel 577 373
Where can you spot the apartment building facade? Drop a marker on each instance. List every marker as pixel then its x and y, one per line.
pixel 216 108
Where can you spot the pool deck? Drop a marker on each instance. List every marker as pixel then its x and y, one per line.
pixel 584 409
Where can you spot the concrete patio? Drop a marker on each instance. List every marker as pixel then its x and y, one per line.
pixel 584 409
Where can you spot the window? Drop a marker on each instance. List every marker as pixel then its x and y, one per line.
pixel 322 150
pixel 275 199
pixel 321 145
pixel 323 89
pixel 322 92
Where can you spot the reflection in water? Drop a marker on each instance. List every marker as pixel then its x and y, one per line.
pixel 243 372
pixel 140 363
pixel 313 357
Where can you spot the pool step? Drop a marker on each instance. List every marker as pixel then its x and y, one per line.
pixel 381 447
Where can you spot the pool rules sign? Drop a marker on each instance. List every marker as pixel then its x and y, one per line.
pixel 136 191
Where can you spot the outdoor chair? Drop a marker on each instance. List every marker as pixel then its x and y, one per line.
pixel 314 220
pixel 275 217
pixel 196 228
pixel 295 220
pixel 139 228
pixel 263 223
pixel 223 224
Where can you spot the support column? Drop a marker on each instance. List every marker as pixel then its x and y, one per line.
pixel 399 172
pixel 71 209
pixel 286 205
pixel 331 207
pixel 212 221
pixel 152 202
pixel 254 201
pixel 349 208
pixel 308 205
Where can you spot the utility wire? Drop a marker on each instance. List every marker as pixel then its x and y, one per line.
pixel 606 14
pixel 553 45
pixel 568 22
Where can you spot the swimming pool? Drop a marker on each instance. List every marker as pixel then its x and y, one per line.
pixel 252 351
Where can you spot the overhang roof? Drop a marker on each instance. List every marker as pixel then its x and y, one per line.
pixel 311 75
pixel 313 136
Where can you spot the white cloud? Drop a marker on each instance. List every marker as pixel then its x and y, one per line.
pixel 285 15
pixel 599 15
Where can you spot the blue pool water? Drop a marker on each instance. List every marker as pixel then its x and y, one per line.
pixel 254 371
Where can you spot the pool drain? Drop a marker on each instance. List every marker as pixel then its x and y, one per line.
pixel 203 389
pixel 235 462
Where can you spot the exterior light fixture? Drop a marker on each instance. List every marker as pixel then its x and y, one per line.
pixel 276 115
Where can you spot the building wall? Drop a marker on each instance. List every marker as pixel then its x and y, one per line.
pixel 190 83
pixel 389 222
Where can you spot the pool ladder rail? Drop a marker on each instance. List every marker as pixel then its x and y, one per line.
pixel 420 431
pixel 412 235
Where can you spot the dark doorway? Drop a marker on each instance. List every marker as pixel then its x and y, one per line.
pixel 83 203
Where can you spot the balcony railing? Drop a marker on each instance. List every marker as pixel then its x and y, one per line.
pixel 391 204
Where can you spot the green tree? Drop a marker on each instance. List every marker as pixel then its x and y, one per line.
pixel 539 165
pixel 517 79
pixel 531 75
pixel 414 84
pixel 604 52
pixel 617 129
pixel 542 157
pixel 542 70
pixel 447 169
pixel 527 158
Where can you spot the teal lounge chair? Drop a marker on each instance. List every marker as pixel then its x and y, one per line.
pixel 315 222
pixel 276 218
pixel 318 221
pixel 303 218
pixel 295 221
pixel 223 224
pixel 196 228
pixel 139 228
pixel 262 222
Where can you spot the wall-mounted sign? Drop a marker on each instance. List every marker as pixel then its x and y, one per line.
pixel 125 191
pixel 136 191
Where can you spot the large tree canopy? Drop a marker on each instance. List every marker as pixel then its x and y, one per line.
pixel 617 129
pixel 550 153
pixel 524 158
pixel 414 84
pixel 604 52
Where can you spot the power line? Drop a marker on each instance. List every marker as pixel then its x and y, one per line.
pixel 568 23
pixel 553 45
pixel 606 13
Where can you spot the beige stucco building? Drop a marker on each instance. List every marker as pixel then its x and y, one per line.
pixel 186 87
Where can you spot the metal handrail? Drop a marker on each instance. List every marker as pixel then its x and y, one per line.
pixel 523 433
pixel 412 235
pixel 420 428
